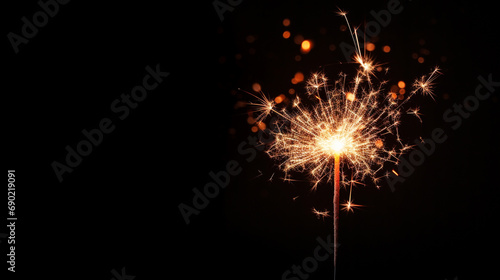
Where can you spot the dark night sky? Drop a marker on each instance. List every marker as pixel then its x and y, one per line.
pixel 119 207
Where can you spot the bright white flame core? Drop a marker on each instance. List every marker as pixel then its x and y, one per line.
pixel 333 145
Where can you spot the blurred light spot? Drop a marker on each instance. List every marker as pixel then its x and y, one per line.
pixel 443 58
pixel 250 38
pixel 306 46
pixel 401 97
pixel 414 55
pixel 401 84
pixel 298 39
pixel 240 104
pixel 394 88
pixel 255 129
pixel 386 49
pixel 261 125
pixel 379 143
pixel 350 96
pixel 280 98
pixel 394 95
pixel 370 47
pixel 299 76
pixel 291 91
pixel 425 51
pixel 402 91
pixel 286 22
pixel 250 120
pixel 420 60
pixel 256 87
pixel 286 34
pixel 380 68
pixel 343 27
pixel 298 58
pixel 446 96
pixel 231 131
pixel 332 47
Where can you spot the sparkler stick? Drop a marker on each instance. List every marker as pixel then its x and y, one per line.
pixel 336 199
pixel 356 122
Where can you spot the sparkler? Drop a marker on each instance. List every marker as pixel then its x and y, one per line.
pixel 351 124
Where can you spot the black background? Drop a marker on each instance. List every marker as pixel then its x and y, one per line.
pixel 119 207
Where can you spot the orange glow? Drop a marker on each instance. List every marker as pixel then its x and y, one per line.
pixel 297 39
pixel 250 120
pixel 370 47
pixel 256 87
pixel 261 125
pixel 386 49
pixel 379 143
pixel 280 98
pixel 306 46
pixel 286 22
pixel 255 129
pixel 350 96
pixel 394 95
pixel 286 34
pixel 393 171
pixel 420 60
pixel 291 91
pixel 402 91
pixel 401 84
pixel 299 77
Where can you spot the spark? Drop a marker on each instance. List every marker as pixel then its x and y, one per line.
pixel 271 178
pixel 415 112
pixel 320 214
pixel 425 84
pixel 264 105
pixel 349 206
